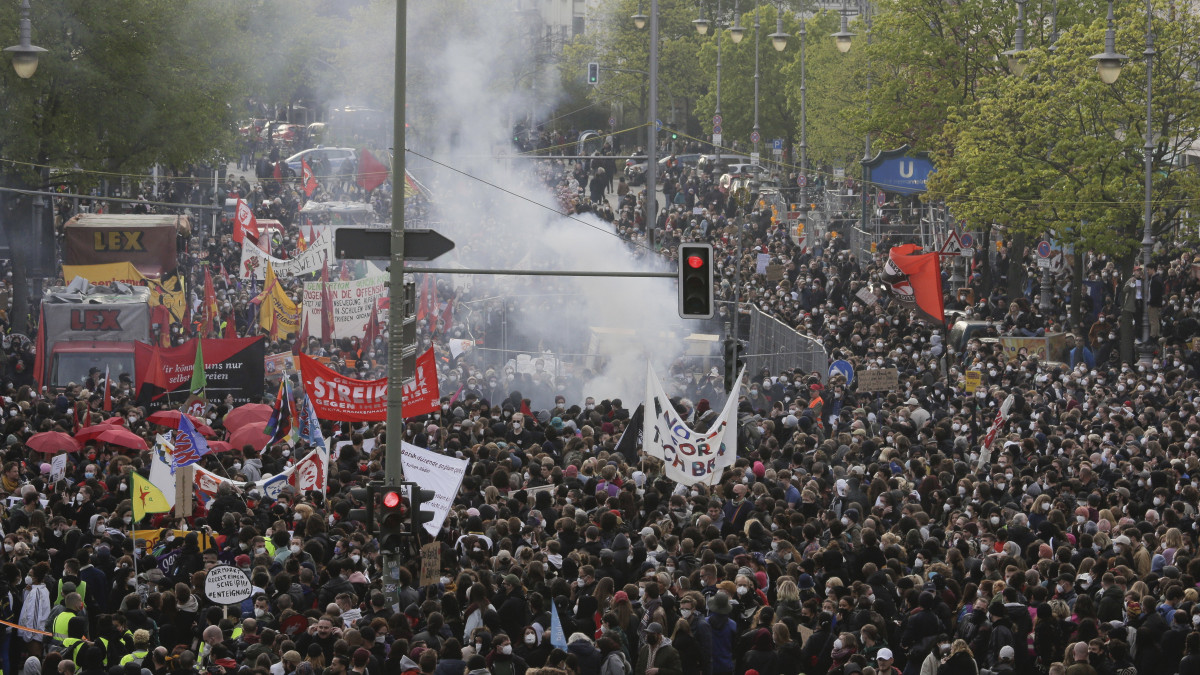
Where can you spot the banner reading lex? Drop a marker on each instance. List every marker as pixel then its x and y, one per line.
pixel 340 398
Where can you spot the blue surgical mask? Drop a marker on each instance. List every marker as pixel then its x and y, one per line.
pixel 89 475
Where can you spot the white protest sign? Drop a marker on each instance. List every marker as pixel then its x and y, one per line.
pixel 866 296
pixel 352 304
pixel 690 457
pixel 227 585
pixel 435 472
pixel 58 468
pixel 254 260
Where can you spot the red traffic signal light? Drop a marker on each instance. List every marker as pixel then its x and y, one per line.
pixel 696 292
pixel 391 500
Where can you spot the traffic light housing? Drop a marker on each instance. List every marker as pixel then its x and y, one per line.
pixel 696 281
pixel 393 515
pixel 419 516
pixel 366 515
pixel 733 362
pixel 593 74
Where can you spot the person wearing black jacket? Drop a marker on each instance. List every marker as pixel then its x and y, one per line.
pixel 817 648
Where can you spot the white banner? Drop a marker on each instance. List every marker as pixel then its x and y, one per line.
pixel 160 468
pixel 690 457
pixel 254 260
pixel 58 468
pixel 432 471
pixel 352 304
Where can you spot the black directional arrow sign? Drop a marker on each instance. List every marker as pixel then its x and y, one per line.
pixel 364 243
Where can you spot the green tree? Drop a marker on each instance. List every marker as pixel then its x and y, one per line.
pixel 1058 149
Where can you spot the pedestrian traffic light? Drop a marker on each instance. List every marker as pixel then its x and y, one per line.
pixel 593 72
pixel 696 281
pixel 420 516
pixel 393 514
pixel 365 515
pixel 733 362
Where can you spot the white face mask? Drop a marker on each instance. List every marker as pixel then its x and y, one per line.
pixel 28 580
pixel 506 650
pixel 685 613
pixel 260 551
pixel 34 538
pixel 259 611
pixel 356 558
pixel 8 548
pixel 295 548
pixel 742 590
pixel 837 644
pixel 532 639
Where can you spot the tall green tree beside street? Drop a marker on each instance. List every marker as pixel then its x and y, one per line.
pixel 1059 149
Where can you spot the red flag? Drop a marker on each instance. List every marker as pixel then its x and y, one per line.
pixel 107 392
pixel 210 304
pixel 300 243
pixel 371 172
pixel 302 338
pixel 448 315
pixel 423 304
pixel 244 222
pixel 230 328
pixel 307 180
pixel 916 280
pixel 372 330
pixel 225 276
pixel 326 306
pixel 525 409
pixel 277 173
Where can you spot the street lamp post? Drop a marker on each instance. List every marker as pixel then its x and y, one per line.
pixel 804 127
pixel 1109 64
pixel 755 136
pixel 1016 58
pixel 25 55
pixel 702 29
pixel 651 206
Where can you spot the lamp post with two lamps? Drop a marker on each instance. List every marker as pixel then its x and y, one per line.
pixel 1108 65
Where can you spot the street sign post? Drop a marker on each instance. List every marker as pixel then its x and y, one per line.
pixel 717 120
pixel 755 158
pixel 754 137
pixel 363 243
pixel 1043 249
pixel 801 181
pixel 658 125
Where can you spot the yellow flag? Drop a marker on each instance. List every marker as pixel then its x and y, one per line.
pixel 147 498
pixel 277 314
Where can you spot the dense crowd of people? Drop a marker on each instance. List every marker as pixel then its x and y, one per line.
pixel 856 532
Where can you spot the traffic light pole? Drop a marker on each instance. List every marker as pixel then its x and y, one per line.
pixel 393 473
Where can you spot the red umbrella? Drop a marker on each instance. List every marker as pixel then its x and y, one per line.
pixel 170 418
pixel 123 437
pixel 251 434
pixel 241 415
pixel 219 446
pixel 89 433
pixel 51 442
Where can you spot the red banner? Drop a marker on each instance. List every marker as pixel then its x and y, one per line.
pixel 233 366
pixel 341 398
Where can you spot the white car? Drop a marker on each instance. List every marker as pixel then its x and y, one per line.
pixel 337 157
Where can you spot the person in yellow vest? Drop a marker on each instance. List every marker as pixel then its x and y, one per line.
pixel 141 648
pixel 72 608
pixel 76 630
pixel 70 576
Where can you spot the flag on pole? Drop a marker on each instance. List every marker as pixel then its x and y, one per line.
pixel 307 180
pixel 915 279
pixel 371 172
pixel 310 426
pixel 244 222
pixel 372 329
pixel 107 392
pixel 558 638
pixel 189 445
pixel 279 425
pixel 211 309
pixel 197 401
pixel 147 498
pixel 326 305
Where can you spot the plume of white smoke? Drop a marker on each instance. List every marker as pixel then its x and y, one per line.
pixel 466 85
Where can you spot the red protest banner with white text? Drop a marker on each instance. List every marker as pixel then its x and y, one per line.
pixel 340 398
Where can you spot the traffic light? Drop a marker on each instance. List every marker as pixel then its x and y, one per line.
pixel 393 514
pixel 365 496
pixel 419 516
pixel 593 73
pixel 733 362
pixel 696 281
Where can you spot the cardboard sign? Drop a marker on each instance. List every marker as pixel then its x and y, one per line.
pixel 866 296
pixel 973 379
pixel 431 563
pixel 774 272
pixel 58 468
pixel 878 379
pixel 227 585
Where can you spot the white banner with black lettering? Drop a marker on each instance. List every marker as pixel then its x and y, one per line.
pixel 690 457
pixel 437 472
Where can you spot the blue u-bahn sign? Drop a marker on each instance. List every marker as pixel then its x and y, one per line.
pixel 899 171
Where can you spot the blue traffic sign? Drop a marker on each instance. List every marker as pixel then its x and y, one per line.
pixel 716 128
pixel 658 125
pixel 777 144
pixel 844 369
pixel 967 240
